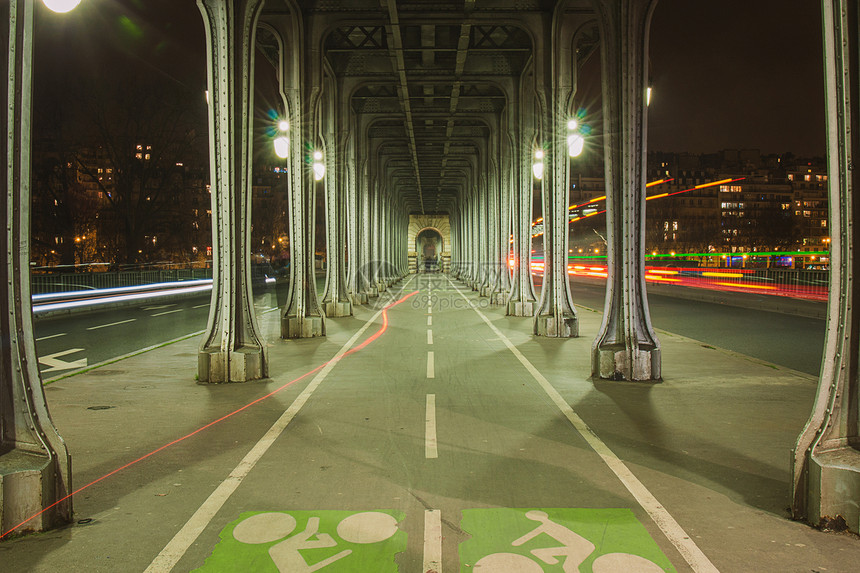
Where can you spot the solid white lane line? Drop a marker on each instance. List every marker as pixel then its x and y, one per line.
pixel 111 324
pixel 165 561
pixel 698 561
pixel 432 540
pixel 430 449
pixel 429 336
pixel 50 336
pixel 429 321
pixel 431 368
pixel 200 305
pixel 167 312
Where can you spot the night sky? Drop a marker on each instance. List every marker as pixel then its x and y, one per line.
pixel 725 73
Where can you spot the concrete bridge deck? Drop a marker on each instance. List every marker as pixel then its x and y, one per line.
pixel 413 450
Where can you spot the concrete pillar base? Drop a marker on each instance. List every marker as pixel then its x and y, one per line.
pixel 834 488
pixel 338 309
pixel 381 287
pixel 26 488
pixel 359 298
pixel 499 298
pixel 242 365
pixel 614 362
pixel 557 327
pixel 302 326
pixel 372 292
pixel 486 290
pixel 517 308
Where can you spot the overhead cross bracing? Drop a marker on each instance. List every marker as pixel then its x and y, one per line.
pixel 430 83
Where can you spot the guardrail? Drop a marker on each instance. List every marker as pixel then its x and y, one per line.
pixel 805 284
pixel 68 282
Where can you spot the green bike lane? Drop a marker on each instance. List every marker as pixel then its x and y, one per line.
pixel 403 462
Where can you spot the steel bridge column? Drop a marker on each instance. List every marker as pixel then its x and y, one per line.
pixel 523 302
pixel 556 316
pixel 493 274
pixel 484 231
pixel 232 348
pixel 626 347
pixel 475 237
pixel 826 472
pixel 35 472
pixel 355 287
pixel 335 303
pixel 504 225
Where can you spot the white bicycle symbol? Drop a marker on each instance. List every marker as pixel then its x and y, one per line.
pixel 575 549
pixel 367 527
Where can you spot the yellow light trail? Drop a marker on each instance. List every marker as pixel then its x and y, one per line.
pixel 764 287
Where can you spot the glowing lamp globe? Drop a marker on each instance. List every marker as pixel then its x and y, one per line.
pixel 282 147
pixel 61 6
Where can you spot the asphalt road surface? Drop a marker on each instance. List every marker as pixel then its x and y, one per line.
pixel 72 342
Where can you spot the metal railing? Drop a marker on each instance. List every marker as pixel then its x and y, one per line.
pixel 43 283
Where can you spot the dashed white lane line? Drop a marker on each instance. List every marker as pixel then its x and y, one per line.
pixel 111 324
pixel 200 305
pixel 167 312
pixel 50 336
pixel 673 531
pixel 432 540
pixel 429 336
pixel 430 447
pixel 431 367
pixel 430 305
pixel 188 534
pixel 429 321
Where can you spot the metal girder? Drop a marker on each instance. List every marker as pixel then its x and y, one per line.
pixel 826 469
pixel 626 348
pixel 232 349
pixel 35 466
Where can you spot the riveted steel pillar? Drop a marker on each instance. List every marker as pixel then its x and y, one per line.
pixel 355 286
pixel 826 472
pixel 556 316
pixel 475 236
pixel 504 224
pixel 232 349
pixel 523 301
pixel 626 347
pixel 484 230
pixel 335 303
pixel 493 231
pixel 35 466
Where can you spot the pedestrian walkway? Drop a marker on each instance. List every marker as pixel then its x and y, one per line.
pixel 431 432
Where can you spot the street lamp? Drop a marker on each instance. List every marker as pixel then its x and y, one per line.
pixel 537 167
pixel 61 6
pixel 319 166
pixel 575 140
pixel 282 142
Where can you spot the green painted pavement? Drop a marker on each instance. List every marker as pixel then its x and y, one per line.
pixel 307 541
pixel 558 540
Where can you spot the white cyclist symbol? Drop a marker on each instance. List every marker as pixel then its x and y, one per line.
pixel 366 527
pixel 574 549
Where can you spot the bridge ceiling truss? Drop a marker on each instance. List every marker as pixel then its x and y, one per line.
pixel 429 79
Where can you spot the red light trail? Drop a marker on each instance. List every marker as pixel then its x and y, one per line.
pixel 361 346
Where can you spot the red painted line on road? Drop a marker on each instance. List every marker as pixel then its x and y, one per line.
pixel 361 346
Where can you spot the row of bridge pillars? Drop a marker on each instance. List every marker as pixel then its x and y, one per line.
pixel 498 212
pixel 35 477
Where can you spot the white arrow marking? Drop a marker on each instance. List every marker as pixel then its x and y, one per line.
pixel 54 362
